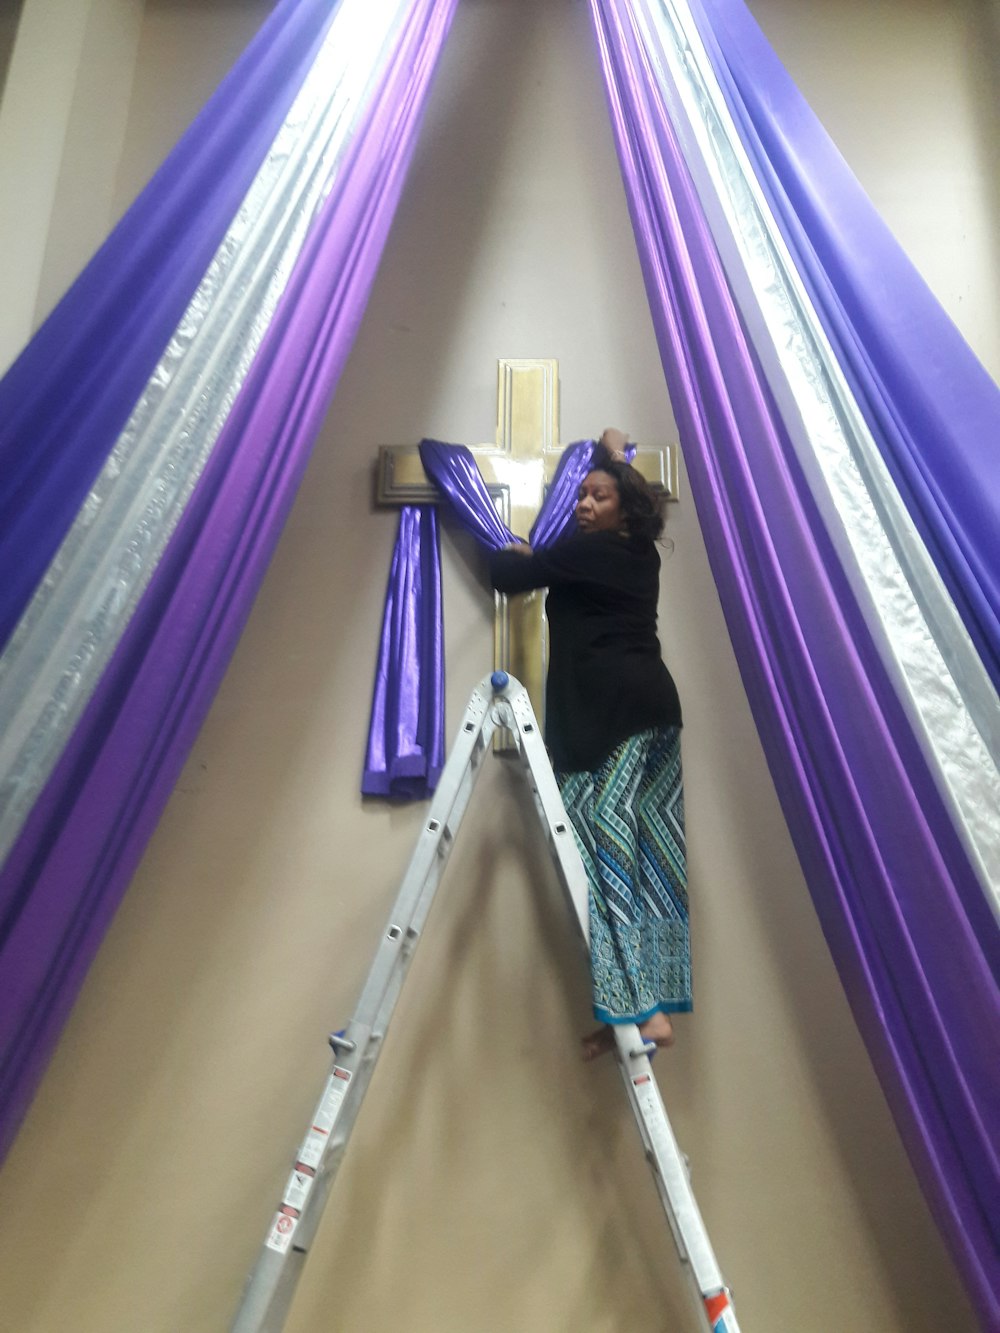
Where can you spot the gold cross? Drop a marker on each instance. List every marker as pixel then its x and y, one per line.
pixel 516 470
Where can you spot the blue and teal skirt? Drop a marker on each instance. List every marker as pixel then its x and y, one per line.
pixel 628 818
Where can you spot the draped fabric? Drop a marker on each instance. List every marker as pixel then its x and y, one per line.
pixel 848 522
pixel 452 468
pixel 405 749
pixel 186 449
pixel 405 752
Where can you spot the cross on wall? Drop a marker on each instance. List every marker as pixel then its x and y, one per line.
pixel 516 469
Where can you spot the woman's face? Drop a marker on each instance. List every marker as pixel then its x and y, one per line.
pixel 599 505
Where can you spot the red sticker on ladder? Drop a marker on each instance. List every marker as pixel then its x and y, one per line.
pixel 280 1237
pixel 718 1310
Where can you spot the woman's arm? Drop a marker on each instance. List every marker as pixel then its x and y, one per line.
pixel 516 568
pixel 614 441
pixel 583 558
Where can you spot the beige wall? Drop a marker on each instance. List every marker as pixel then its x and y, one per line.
pixel 62 119
pixel 493 1183
pixel 185 47
pixel 85 210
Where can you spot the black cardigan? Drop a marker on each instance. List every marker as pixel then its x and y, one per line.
pixel 606 680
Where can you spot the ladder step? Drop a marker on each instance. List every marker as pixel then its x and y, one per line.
pixel 647 1048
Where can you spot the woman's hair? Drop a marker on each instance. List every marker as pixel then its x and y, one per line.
pixel 643 508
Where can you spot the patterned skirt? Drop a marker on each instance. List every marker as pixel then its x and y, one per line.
pixel 628 818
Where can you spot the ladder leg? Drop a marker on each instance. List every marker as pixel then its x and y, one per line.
pixel 673 1183
pixel 271 1285
pixel 667 1162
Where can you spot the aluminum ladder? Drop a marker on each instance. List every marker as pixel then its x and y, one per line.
pixel 499 702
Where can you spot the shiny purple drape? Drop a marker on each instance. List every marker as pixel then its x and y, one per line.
pixel 406 731
pixel 452 468
pixel 65 875
pixel 891 882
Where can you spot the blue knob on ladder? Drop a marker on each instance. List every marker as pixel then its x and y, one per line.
pixel 499 680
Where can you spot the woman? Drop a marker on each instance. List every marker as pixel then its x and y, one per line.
pixel 612 724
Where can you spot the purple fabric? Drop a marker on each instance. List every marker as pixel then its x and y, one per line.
pixel 453 470
pixel 66 398
pixel 931 406
pixel 406 733
pixel 405 751
pixel 555 518
pixel 86 833
pixel 901 908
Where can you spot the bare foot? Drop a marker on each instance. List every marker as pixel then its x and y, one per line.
pixel 598 1043
pixel 659 1029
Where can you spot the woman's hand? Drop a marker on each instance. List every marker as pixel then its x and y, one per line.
pixel 615 441
pixel 522 548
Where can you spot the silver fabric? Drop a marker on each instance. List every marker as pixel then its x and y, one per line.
pixel 68 633
pixel 945 689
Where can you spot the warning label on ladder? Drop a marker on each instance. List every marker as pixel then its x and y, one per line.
pixel 280 1236
pixel 297 1190
pixel 325 1118
pixel 300 1182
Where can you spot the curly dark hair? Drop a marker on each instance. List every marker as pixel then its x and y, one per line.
pixel 643 508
